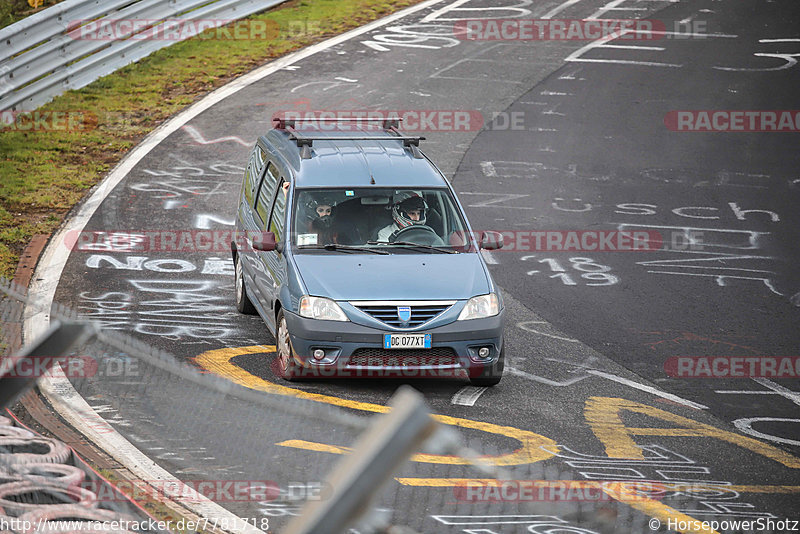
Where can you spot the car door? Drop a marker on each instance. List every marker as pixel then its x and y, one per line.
pixel 264 280
pixel 274 261
pixel 248 221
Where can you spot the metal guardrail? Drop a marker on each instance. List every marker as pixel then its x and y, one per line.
pixel 40 57
pixel 259 456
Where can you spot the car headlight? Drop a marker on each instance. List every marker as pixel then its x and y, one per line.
pixel 480 307
pixel 321 308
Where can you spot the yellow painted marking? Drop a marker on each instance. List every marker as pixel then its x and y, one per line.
pixel 604 416
pixel 652 508
pixel 312 446
pixel 452 482
pixel 762 489
pixel 532 447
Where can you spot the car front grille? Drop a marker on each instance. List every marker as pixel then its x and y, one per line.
pixel 386 313
pixel 402 358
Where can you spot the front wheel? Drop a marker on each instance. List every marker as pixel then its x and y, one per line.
pixel 287 366
pixel 243 303
pixel 490 376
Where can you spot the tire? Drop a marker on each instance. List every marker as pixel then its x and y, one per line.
pixel 243 303
pixel 15 432
pixel 56 452
pixel 287 366
pixel 61 475
pixel 491 375
pixel 18 498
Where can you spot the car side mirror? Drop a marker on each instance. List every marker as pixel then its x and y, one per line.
pixel 491 240
pixel 266 242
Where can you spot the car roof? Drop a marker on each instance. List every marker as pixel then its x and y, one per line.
pixel 340 162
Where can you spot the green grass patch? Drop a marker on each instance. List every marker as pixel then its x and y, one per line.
pixel 44 173
pixel 13 10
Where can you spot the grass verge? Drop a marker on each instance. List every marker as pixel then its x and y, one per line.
pixel 44 173
pixel 13 10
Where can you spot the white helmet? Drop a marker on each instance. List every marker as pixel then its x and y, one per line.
pixel 408 201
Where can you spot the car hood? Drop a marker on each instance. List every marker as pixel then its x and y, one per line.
pixel 393 277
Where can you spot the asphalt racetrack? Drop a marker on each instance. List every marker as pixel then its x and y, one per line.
pixel 578 136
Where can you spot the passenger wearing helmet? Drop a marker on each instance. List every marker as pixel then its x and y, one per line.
pixel 320 219
pixel 410 210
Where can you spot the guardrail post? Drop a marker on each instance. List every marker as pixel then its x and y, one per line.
pixel 16 375
pixel 375 456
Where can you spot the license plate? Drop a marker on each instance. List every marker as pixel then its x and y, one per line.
pixel 406 341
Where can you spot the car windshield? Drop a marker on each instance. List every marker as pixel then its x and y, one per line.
pixel 375 219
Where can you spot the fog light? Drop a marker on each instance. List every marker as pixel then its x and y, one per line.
pixel 318 354
pixel 483 352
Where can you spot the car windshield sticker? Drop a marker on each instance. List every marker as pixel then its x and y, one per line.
pixel 306 239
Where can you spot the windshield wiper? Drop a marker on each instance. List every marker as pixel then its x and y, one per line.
pixel 334 246
pixel 417 245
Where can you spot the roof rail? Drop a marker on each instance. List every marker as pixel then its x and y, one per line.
pixel 387 123
pixel 306 141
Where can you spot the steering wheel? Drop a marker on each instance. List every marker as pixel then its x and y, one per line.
pixel 418 234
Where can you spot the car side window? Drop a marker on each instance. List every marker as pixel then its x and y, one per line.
pixel 261 158
pixel 266 192
pixel 249 183
pixel 277 217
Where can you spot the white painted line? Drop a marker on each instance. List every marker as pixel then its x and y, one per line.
pixel 635 47
pixel 543 380
pixel 743 392
pixel 746 426
pixel 624 62
pixel 489 258
pixel 467 395
pixel 648 389
pixel 58 389
pixel 198 137
pixel 606 8
pixel 720 279
pixel 687 34
pixel 69 403
pixel 524 326
pixel 780 390
pixel 558 9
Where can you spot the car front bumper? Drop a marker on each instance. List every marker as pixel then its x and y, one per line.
pixel 356 351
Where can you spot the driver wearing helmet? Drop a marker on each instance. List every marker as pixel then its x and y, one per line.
pixel 410 209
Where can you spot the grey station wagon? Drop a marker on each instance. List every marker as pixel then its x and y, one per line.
pixel 355 251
